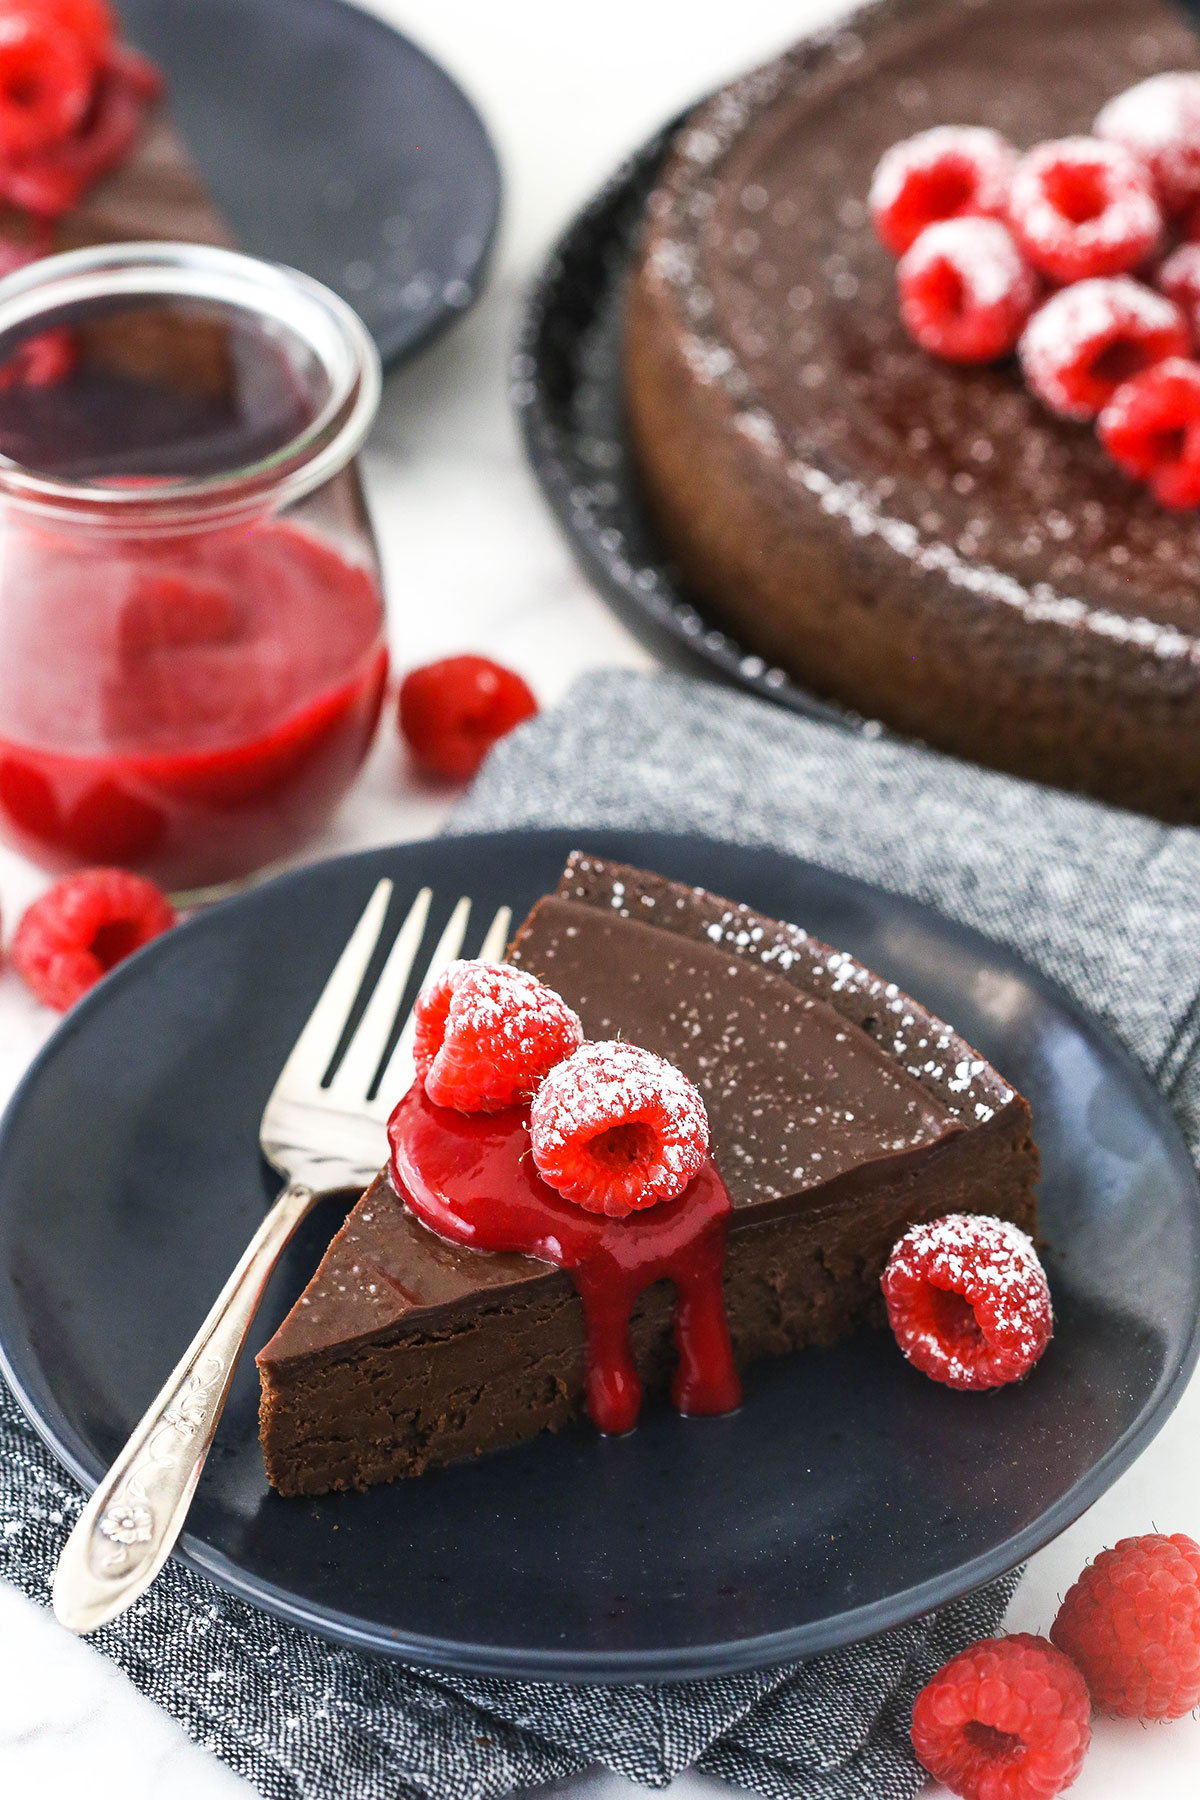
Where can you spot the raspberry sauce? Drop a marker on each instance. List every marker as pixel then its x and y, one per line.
pixel 470 1178
pixel 207 701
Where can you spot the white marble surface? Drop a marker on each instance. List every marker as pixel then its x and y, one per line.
pixel 473 561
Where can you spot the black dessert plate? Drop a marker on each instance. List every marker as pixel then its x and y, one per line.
pixel 566 387
pixel 332 143
pixel 848 1494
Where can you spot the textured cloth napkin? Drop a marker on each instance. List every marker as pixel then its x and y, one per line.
pixel 1106 903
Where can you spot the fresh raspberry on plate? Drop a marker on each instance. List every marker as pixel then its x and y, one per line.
pixel 1131 1624
pixel 615 1128
pixel 46 81
pixel 966 291
pixel 1159 121
pixel 1086 340
pixel 1151 429
pixel 1081 207
pixel 83 927
pixel 968 1300
pixel 452 712
pixel 1179 279
pixel 948 172
pixel 487 1034
pixel 1007 1719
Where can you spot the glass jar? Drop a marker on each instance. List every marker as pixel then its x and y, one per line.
pixel 192 648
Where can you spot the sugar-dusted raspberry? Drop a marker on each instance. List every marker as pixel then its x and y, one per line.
pixel 1159 120
pixel 1131 1625
pixel 1081 207
pixel 1151 429
pixel 968 1300
pixel 948 172
pixel 1178 277
pixel 966 291
pixel 452 712
pixel 46 82
pixel 1007 1719
pixel 1086 340
pixel 487 1034
pixel 83 927
pixel 615 1128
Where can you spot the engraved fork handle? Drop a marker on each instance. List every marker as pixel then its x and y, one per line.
pixel 129 1526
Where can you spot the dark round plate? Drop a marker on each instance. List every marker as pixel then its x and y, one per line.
pixel 848 1494
pixel 332 143
pixel 566 386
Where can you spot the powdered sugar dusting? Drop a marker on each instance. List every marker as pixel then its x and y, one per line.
pixel 984 255
pixel 1159 120
pixel 612 1083
pixel 1127 225
pixel 485 1034
pixel 1081 320
pixel 979 152
pixel 992 1265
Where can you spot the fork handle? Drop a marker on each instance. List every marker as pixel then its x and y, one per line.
pixel 129 1526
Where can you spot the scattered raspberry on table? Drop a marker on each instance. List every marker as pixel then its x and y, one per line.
pixel 615 1128
pixel 487 1034
pixel 968 1301
pixel 83 927
pixel 453 711
pixel 1008 1719
pixel 1131 1624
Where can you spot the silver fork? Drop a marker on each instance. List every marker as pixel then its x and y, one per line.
pixel 325 1137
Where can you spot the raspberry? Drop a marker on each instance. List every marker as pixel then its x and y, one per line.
pixel 1131 1624
pixel 44 360
pixel 1151 429
pixel 966 291
pixel 1007 1719
pixel 1081 207
pixel 950 172
pixel 487 1034
pixel 46 81
pixel 83 927
pixel 452 712
pixel 1085 341
pixel 90 21
pixel 1159 121
pixel 1179 280
pixel 616 1128
pixel 968 1301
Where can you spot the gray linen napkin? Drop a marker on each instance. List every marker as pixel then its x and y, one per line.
pixel 1106 903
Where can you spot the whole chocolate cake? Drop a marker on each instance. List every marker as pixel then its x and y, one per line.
pixel 841 1112
pixel 924 543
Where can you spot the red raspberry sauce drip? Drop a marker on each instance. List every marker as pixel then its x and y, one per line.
pixel 470 1178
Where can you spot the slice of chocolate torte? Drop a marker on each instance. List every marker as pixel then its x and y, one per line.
pixel 841 1112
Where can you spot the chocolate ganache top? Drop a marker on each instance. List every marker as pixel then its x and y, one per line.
pixel 760 227
pixel 818 1076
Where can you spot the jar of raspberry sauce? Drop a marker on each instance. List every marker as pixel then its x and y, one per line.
pixel 192 650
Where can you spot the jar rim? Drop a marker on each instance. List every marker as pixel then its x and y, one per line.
pixel 328 327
